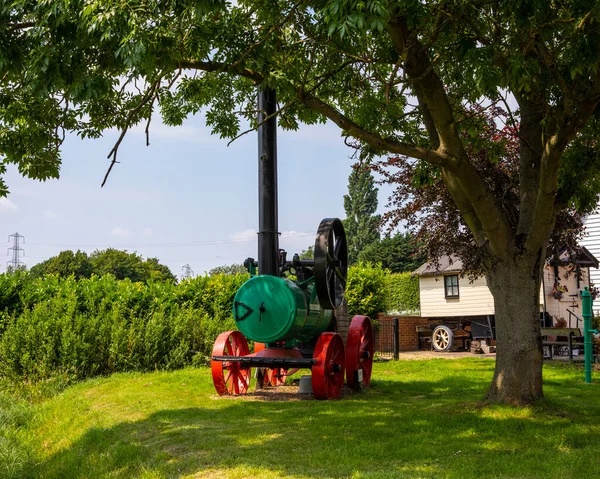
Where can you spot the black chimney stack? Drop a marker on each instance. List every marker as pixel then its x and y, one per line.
pixel 268 235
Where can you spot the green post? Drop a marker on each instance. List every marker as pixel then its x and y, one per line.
pixel 588 347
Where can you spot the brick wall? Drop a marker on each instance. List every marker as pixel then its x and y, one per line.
pixel 407 326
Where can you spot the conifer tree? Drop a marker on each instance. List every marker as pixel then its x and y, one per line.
pixel 360 205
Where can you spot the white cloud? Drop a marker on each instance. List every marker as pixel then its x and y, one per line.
pixel 245 235
pixel 295 234
pixel 118 232
pixel 7 206
pixel 50 215
pixel 147 232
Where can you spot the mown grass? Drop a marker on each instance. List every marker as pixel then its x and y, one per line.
pixel 419 419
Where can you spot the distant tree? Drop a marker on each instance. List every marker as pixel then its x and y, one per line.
pixel 122 264
pixel 398 253
pixel 66 263
pixel 158 272
pixel 308 253
pixel 228 269
pixel 360 203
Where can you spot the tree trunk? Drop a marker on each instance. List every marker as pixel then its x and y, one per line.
pixel 516 290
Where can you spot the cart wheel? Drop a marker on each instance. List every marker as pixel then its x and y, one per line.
pixel 359 352
pixel 228 376
pixel 328 372
pixel 442 338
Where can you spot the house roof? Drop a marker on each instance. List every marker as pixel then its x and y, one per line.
pixel 584 258
pixel 453 264
pixel 447 264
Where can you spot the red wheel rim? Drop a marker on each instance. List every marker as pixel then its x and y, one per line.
pixel 271 377
pixel 359 351
pixel 278 376
pixel 228 376
pixel 328 372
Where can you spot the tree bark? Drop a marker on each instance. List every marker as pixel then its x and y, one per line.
pixel 516 290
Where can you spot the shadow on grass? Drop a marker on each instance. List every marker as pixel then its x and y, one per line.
pixel 396 429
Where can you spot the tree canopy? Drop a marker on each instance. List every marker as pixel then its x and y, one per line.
pixel 400 78
pixel 398 253
pixel 228 269
pixel 120 264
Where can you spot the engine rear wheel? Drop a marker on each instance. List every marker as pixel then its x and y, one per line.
pixel 229 377
pixel 359 353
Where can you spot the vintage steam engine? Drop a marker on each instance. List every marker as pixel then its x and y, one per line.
pixel 291 321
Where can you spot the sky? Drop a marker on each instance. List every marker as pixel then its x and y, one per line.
pixel 188 198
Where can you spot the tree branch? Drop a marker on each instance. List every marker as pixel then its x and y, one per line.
pixel 20 26
pixel 372 139
pixel 545 207
pixel 149 96
pixel 475 201
pixel 531 150
pixel 217 67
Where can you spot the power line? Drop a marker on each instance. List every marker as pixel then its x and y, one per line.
pixel 164 245
pixel 15 263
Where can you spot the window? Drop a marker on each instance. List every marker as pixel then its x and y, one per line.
pixel 451 286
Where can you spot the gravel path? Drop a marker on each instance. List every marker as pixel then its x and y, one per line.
pixel 420 355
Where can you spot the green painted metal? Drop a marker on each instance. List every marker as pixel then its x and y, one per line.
pixel 588 345
pixel 269 309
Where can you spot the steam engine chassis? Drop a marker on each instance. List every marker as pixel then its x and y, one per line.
pixel 291 321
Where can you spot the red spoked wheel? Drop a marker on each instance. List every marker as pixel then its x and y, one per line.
pixel 228 376
pixel 328 372
pixel 359 352
pixel 275 377
pixel 271 377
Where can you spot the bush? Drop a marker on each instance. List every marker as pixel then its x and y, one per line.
pixel 73 329
pixel 402 293
pixel 366 291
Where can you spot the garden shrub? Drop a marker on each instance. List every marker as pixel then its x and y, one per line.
pixel 366 289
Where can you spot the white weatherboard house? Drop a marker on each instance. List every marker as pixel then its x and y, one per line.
pixel 445 294
pixel 591 240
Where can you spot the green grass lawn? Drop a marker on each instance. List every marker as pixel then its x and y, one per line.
pixel 419 419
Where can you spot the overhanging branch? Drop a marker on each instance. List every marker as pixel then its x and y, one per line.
pixel 372 139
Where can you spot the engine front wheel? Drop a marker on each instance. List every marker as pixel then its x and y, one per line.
pixel 229 377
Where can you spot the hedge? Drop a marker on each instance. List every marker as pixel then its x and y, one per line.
pixel 402 294
pixel 78 329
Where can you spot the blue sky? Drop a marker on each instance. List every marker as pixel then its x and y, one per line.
pixel 188 198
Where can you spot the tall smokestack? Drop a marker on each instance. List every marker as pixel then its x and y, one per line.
pixel 268 234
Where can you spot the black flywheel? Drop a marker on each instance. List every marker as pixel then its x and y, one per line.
pixel 331 263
